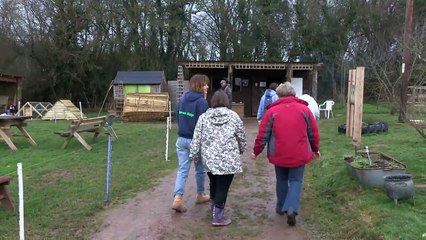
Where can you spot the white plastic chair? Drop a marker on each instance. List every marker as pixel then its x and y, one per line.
pixel 327 107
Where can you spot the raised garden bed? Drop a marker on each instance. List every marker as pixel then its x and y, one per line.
pixel 373 174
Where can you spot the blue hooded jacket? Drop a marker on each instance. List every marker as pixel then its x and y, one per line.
pixel 191 106
pixel 269 93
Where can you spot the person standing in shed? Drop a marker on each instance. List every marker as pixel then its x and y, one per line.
pixel 226 87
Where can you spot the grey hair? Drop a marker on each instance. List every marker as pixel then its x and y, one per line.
pixel 285 89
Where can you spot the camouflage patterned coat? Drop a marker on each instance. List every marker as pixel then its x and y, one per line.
pixel 219 139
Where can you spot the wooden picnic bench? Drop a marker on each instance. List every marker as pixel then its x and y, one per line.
pixel 7 122
pixel 92 125
pixel 5 198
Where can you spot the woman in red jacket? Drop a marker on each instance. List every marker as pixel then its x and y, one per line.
pixel 291 134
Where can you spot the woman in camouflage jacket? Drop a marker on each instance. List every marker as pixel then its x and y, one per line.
pixel 219 140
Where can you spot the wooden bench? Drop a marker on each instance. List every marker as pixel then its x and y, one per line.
pixel 92 125
pixel 5 198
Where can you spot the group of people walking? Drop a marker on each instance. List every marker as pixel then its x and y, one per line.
pixel 213 139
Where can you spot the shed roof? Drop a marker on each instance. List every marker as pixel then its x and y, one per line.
pixel 9 78
pixel 139 77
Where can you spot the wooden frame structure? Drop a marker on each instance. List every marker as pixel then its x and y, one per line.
pixel 417 95
pixel 248 79
pixel 34 109
pixel 10 90
pixel 355 105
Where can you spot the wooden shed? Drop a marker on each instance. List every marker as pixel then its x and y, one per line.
pixel 250 79
pixel 128 82
pixel 10 90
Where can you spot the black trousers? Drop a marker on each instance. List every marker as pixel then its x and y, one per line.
pixel 219 187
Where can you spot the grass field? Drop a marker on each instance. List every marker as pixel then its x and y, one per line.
pixel 341 208
pixel 65 189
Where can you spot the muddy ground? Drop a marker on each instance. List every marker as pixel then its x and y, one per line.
pixel 250 205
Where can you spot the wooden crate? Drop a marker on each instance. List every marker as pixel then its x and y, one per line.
pixel 238 108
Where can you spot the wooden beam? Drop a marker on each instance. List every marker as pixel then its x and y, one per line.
pixel 359 99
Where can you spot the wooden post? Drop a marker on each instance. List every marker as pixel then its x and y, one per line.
pixel 355 105
pixel 407 58
pixel 359 93
pixel 351 103
pixel 289 73
pixel 314 83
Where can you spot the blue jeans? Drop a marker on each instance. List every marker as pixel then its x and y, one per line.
pixel 289 188
pixel 182 150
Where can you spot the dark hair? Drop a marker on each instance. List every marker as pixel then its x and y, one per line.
pixel 273 86
pixel 219 99
pixel 306 91
pixel 197 82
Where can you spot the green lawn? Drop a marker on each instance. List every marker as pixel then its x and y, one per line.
pixel 65 189
pixel 340 207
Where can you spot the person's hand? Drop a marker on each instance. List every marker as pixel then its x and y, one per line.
pixel 318 155
pixel 253 156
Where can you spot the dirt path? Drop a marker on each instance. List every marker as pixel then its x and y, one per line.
pixel 250 205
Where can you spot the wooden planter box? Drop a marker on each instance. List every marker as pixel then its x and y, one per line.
pixel 374 175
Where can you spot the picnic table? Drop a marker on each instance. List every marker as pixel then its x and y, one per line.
pixel 90 125
pixel 7 122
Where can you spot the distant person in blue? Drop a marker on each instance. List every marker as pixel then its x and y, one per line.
pixel 191 105
pixel 268 97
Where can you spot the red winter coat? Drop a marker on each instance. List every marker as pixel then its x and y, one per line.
pixel 291 132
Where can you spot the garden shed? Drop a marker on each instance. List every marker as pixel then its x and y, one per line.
pixel 250 79
pixel 10 90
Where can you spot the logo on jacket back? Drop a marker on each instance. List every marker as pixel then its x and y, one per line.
pixel 189 114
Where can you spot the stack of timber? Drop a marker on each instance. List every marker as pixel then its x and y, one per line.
pixel 63 109
pixel 145 106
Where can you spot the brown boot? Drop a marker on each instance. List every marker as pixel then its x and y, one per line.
pixel 202 198
pixel 178 204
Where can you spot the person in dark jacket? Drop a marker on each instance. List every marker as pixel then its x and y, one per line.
pixel 191 105
pixel 226 87
pixel 291 133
